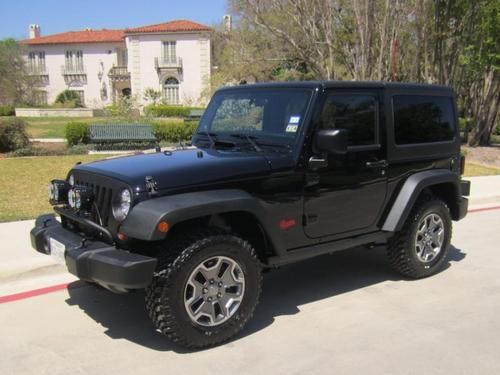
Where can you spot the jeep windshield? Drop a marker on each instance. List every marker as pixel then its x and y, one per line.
pixel 255 116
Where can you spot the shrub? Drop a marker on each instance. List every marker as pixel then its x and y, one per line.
pixel 174 132
pixel 69 98
pixel 13 134
pixel 77 150
pixel 77 132
pixel 123 146
pixel 163 110
pixel 24 151
pixel 7 110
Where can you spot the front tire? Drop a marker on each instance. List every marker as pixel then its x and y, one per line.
pixel 421 247
pixel 206 290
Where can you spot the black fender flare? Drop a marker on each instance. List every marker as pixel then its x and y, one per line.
pixel 410 191
pixel 144 217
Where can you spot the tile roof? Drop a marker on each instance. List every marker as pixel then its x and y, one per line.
pixel 105 35
pixel 77 37
pixel 172 26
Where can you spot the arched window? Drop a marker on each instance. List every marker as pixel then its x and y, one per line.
pixel 171 90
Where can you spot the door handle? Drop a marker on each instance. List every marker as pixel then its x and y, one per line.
pixel 377 164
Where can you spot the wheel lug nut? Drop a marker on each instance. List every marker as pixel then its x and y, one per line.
pixel 219 295
pixel 205 290
pixel 209 299
pixel 220 284
pixel 212 281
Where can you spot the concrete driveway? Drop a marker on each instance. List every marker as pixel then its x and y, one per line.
pixel 338 314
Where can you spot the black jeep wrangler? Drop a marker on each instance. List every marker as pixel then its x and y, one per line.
pixel 277 173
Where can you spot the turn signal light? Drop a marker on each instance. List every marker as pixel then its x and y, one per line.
pixel 163 227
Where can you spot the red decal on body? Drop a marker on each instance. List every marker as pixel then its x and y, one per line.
pixel 287 223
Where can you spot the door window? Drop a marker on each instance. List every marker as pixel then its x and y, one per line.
pixel 355 113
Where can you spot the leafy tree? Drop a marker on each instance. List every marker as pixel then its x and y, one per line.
pixel 16 85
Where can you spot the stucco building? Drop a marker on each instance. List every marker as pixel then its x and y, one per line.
pixel 172 57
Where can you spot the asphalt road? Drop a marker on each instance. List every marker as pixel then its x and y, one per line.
pixel 346 313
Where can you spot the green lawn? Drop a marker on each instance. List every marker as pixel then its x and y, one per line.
pixel 23 185
pixel 472 170
pixel 53 127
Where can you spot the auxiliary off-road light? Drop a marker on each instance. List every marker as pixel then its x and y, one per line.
pixel 79 197
pixel 58 192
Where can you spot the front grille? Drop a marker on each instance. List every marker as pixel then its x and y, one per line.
pixel 100 210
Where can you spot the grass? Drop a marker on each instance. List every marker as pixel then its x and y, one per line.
pixel 472 170
pixel 23 185
pixel 53 127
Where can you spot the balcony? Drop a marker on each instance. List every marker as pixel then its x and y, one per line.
pixel 165 63
pixel 119 73
pixel 74 73
pixel 39 72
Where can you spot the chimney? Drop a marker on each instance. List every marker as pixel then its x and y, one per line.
pixel 34 31
pixel 228 23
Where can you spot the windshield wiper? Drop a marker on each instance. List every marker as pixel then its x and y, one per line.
pixel 210 136
pixel 250 139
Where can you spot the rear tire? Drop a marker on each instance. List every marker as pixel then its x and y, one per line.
pixel 180 279
pixel 420 248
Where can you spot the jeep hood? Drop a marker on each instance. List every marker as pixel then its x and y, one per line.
pixel 182 168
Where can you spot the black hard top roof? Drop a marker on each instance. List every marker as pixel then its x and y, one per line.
pixel 343 84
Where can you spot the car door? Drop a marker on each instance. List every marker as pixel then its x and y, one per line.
pixel 347 194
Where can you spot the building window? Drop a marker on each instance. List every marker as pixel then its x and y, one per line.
pixel 423 119
pixel 36 62
pixel 169 52
pixel 40 97
pixel 171 90
pixel 74 61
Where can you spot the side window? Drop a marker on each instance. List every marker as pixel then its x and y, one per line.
pixel 423 119
pixel 355 113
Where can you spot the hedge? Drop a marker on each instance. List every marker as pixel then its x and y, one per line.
pixel 7 110
pixel 77 132
pixel 163 110
pixel 174 132
pixel 13 134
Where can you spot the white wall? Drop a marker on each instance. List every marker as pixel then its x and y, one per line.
pixel 93 55
pixel 192 48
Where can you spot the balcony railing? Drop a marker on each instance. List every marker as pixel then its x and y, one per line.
pixel 35 70
pixel 73 70
pixel 168 63
pixel 119 73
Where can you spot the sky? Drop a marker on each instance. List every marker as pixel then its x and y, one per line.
pixel 56 16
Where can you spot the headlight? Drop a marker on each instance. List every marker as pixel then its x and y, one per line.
pixel 121 208
pixel 71 180
pixel 58 192
pixel 79 196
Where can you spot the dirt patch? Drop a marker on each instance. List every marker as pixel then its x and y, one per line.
pixel 489 156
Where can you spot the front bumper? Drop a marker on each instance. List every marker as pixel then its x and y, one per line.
pixel 114 269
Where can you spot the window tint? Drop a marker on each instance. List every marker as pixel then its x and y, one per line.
pixel 423 119
pixel 354 113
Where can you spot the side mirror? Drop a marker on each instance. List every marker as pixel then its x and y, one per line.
pixel 331 141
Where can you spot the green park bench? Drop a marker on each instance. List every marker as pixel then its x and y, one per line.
pixel 121 136
pixel 194 114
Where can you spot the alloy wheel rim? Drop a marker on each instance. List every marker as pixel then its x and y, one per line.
pixel 429 237
pixel 214 291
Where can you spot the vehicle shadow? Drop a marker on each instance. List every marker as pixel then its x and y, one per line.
pixel 124 316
